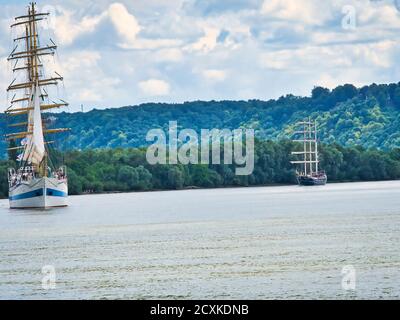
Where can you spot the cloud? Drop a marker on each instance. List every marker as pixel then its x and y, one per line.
pixel 88 95
pixel 80 62
pixel 376 54
pixel 381 14
pixel 66 29
pixel 215 75
pixel 379 54
pixel 168 55
pixel 85 77
pixel 128 29
pixel 125 23
pixel 207 42
pixel 305 11
pixel 122 52
pixel 151 44
pixel 154 87
pixel 218 7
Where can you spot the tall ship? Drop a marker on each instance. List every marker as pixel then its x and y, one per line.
pixel 308 172
pixel 35 182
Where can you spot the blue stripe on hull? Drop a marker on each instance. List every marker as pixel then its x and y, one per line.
pixel 27 195
pixel 38 193
pixel 56 193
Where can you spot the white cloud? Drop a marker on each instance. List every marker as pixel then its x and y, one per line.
pixel 85 77
pixel 304 59
pixel 168 55
pixel 80 62
pixel 128 29
pixel 207 42
pixel 378 15
pixel 67 29
pixel 326 81
pixel 251 51
pixel 88 95
pixel 215 75
pixel 305 11
pixel 151 44
pixel 154 87
pixel 125 23
pixel 379 54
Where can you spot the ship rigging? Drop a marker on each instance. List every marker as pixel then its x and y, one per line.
pixel 309 173
pixel 35 183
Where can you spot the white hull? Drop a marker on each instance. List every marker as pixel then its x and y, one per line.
pixel 39 193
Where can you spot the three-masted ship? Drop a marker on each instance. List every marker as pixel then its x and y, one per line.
pixel 35 183
pixel 308 173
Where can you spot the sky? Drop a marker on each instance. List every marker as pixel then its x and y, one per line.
pixel 127 52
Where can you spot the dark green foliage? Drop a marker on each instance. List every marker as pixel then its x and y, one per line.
pixel 359 129
pixel 369 116
pixel 110 170
pixel 4 166
pixel 12 152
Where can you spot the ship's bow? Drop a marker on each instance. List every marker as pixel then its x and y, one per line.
pixel 39 193
pixel 56 193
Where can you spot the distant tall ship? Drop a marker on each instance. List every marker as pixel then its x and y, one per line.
pixel 35 183
pixel 308 174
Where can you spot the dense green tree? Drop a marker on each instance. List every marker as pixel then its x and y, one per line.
pixel 343 93
pixel 12 151
pixel 74 182
pixel 127 169
pixel 106 150
pixel 396 97
pixel 369 116
pixel 320 93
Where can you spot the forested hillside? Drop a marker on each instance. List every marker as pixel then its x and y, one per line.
pixel 127 169
pixel 368 116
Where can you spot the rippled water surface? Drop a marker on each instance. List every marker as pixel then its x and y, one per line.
pixel 256 243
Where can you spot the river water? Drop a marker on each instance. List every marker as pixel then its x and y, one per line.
pixel 252 243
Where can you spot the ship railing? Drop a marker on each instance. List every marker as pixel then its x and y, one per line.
pixel 318 174
pixel 61 173
pixel 16 178
pixel 27 169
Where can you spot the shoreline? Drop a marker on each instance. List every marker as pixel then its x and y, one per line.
pixel 274 185
pixel 227 187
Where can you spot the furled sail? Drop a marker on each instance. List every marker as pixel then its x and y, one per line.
pixel 35 150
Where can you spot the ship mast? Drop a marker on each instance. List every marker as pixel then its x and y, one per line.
pixel 316 147
pixel 310 147
pixel 26 59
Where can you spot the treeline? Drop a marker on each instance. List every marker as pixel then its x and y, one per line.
pixel 123 170
pixel 367 116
